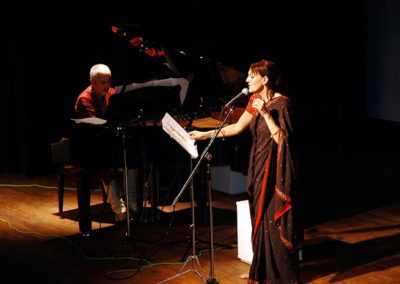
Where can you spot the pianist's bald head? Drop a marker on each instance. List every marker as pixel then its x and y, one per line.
pixel 99 69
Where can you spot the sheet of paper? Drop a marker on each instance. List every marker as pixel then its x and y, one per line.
pixel 179 134
pixel 90 120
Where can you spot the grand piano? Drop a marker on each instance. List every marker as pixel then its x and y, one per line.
pixel 133 131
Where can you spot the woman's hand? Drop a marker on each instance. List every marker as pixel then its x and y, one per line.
pixel 259 105
pixel 198 135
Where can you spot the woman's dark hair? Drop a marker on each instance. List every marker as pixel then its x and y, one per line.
pixel 269 69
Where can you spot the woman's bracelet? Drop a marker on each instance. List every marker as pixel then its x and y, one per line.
pixel 223 133
pixel 276 132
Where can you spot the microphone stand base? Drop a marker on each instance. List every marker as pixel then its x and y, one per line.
pixel 212 281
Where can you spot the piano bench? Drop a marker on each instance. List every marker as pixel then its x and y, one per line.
pixel 61 157
pixel 76 173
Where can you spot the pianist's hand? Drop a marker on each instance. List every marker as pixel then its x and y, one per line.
pixel 199 135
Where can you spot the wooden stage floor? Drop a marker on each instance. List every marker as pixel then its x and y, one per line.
pixel 40 245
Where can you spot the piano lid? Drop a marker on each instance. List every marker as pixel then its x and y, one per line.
pixel 211 82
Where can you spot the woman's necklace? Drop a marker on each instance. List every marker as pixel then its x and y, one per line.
pixel 266 99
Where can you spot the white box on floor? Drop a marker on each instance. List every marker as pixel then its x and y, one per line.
pixel 225 180
pixel 245 250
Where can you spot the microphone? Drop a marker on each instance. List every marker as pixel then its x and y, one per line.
pixel 244 92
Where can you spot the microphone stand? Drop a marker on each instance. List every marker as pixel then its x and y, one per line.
pixel 211 279
pixel 193 259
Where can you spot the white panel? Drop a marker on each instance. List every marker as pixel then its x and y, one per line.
pixel 245 250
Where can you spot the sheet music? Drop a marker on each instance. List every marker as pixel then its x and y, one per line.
pixel 90 120
pixel 179 134
pixel 169 82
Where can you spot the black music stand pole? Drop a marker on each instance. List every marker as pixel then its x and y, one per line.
pixel 121 131
pixel 211 277
pixel 204 154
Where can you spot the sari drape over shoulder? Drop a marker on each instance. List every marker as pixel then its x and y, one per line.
pixel 272 192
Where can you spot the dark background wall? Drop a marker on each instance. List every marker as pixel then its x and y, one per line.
pixel 383 59
pixel 348 155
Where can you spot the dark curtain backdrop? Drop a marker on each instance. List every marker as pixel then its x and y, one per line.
pixel 48 49
pixel 319 44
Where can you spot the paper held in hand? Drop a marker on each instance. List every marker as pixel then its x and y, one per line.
pixel 179 134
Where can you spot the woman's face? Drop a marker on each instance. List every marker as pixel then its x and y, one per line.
pixel 255 81
pixel 101 84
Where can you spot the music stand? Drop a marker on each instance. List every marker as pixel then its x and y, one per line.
pixel 128 110
pixel 149 103
pixel 193 258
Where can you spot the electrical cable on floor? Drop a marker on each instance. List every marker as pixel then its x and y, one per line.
pixel 108 274
pixel 39 185
pixel 24 232
pixel 135 269
pixel 143 263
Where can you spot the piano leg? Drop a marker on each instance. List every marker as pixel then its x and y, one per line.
pixel 83 186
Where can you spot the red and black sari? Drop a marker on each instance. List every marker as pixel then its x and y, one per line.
pixel 272 192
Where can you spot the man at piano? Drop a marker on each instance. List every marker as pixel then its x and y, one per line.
pixel 93 102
